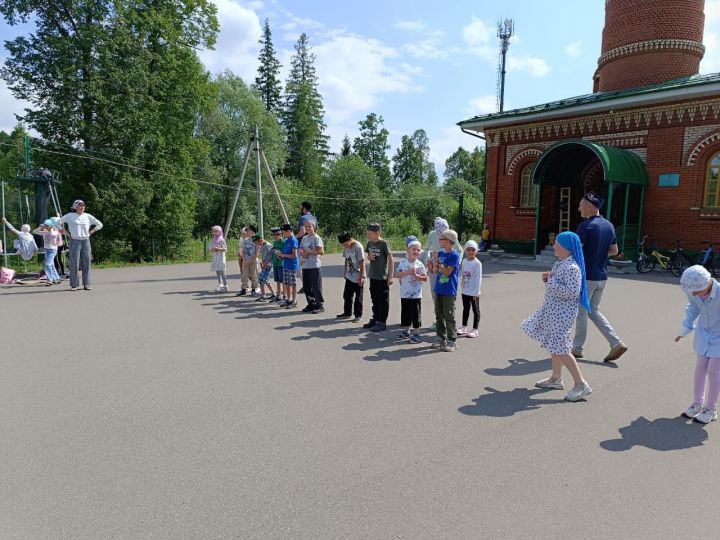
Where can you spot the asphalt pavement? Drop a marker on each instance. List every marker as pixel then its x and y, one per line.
pixel 154 407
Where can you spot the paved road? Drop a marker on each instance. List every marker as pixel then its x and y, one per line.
pixel 151 407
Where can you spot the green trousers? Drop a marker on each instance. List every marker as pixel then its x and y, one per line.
pixel 445 317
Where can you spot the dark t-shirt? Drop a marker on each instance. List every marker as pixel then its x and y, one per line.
pixel 597 234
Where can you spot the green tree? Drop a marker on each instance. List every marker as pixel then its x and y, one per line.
pixel 469 166
pixel 353 187
pixel 227 127
pixel 345 149
pixel 411 163
pixel 372 146
pixel 303 117
pixel 119 81
pixel 267 81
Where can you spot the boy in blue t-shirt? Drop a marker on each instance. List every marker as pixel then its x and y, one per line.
pixel 446 285
pixel 290 265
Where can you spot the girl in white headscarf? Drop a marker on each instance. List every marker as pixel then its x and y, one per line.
pixel 704 307
pixel 25 243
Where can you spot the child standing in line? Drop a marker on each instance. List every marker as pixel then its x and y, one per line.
pixel 49 233
pixel 446 284
pixel 218 247
pixel 470 282
pixel 381 276
pixel 703 294
pixel 311 248
pixel 354 272
pixel 412 275
pixel 551 325
pixel 249 276
pixel 290 264
pixel 277 245
pixel 265 256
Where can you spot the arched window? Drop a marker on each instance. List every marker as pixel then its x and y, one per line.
pixel 712 183
pixel 528 190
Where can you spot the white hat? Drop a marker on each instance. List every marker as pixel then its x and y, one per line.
pixel 471 244
pixel 694 279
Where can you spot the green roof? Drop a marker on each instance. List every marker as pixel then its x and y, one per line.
pixel 561 164
pixel 597 97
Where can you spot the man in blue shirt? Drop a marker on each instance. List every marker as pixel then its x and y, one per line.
pixel 598 238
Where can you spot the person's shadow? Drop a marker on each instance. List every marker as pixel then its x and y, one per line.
pixel 663 434
pixel 521 366
pixel 499 403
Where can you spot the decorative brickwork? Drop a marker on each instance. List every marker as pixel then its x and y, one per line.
pixel 522 156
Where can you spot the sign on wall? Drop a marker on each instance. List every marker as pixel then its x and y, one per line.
pixel 669 180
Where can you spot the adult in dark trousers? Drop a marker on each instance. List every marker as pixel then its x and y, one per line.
pixel 80 226
pixel 597 235
pixel 305 215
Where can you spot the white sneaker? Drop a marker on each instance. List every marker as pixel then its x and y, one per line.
pixel 438 344
pixel 548 383
pixel 578 392
pixel 218 288
pixel 707 416
pixel 472 334
pixel 462 331
pixel 693 410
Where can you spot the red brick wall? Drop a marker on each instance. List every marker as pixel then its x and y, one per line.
pixel 669 212
pixel 633 21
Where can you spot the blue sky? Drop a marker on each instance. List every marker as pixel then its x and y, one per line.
pixel 419 64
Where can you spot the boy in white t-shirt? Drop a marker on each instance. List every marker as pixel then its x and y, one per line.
pixel 470 281
pixel 412 275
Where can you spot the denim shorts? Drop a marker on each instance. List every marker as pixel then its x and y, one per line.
pixel 264 276
pixel 278 274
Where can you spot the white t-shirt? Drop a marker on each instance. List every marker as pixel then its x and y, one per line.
pixel 470 277
pixel 410 286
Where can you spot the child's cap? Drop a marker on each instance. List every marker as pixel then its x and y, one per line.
pixel 286 227
pixel 409 239
pixel 252 228
pixel 450 235
pixel 412 243
pixel 275 230
pixel 374 227
pixel 694 279
pixel 471 244
pixel 49 223
pixel 256 237
pixel 25 228
pixel 78 202
pixel 344 237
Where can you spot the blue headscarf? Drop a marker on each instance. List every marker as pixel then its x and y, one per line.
pixel 571 242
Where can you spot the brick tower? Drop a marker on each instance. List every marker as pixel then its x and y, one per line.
pixel 649 41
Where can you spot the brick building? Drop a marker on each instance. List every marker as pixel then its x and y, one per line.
pixel 647 139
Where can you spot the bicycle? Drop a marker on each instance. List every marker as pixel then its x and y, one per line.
pixel 709 260
pixel 676 262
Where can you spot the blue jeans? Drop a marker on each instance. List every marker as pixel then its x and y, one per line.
pixel 50 271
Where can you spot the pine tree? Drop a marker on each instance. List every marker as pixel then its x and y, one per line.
pixel 267 82
pixel 372 146
pixel 346 149
pixel 303 117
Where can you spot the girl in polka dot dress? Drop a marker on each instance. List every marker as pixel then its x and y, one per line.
pixel 551 325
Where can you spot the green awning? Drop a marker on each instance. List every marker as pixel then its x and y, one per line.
pixel 563 163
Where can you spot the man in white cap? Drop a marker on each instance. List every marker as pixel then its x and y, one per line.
pixel 597 235
pixel 704 307
pixel 80 225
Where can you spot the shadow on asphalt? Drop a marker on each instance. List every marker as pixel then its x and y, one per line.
pixel 662 434
pixel 507 403
pixel 521 366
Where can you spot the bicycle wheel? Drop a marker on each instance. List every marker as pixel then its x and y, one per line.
pixel 679 264
pixel 715 270
pixel 644 264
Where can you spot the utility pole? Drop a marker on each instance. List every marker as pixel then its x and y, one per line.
pixel 505 30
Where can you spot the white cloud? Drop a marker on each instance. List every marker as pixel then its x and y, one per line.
pixel 574 49
pixel 412 26
pixel 237 45
pixel 9 107
pixel 537 67
pixel 477 32
pixel 711 61
pixel 354 72
pixel 427 48
pixel 446 142
pixel 483 105
pixel 712 10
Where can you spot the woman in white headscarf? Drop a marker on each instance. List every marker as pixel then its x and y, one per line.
pixel 704 307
